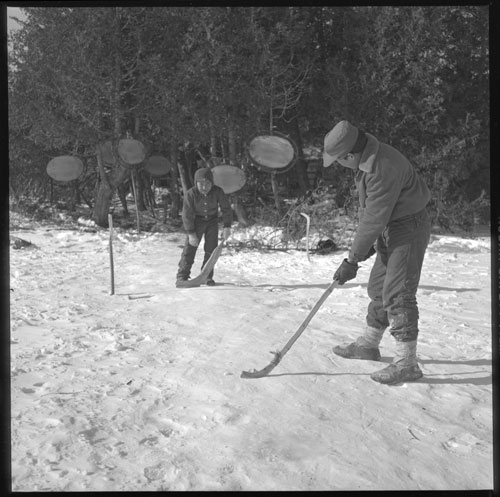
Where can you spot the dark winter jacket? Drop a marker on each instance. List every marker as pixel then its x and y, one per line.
pixel 205 206
pixel 389 188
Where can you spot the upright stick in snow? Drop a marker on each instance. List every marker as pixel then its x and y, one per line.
pixel 279 355
pixel 110 222
pixel 308 223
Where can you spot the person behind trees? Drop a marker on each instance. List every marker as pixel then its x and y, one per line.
pixel 393 215
pixel 200 217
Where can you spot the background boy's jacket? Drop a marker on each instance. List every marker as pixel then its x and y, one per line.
pixel 205 206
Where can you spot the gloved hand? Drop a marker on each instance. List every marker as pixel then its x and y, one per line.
pixel 226 233
pixel 345 272
pixel 369 254
pixel 193 239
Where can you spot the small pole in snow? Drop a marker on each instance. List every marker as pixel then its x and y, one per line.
pixel 308 222
pixel 110 222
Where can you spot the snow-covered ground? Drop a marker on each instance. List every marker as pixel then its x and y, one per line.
pixel 141 390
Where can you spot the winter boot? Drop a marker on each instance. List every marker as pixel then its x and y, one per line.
pixel 403 368
pixel 180 278
pixel 365 347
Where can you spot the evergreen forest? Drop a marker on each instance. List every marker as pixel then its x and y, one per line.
pixel 194 84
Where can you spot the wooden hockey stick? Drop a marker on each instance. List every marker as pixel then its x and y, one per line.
pixel 279 355
pixel 203 276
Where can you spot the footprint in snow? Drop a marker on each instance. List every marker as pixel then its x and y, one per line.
pixel 462 444
pixel 155 415
pixel 230 415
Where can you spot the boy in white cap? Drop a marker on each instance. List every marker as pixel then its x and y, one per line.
pixel 200 216
pixel 393 199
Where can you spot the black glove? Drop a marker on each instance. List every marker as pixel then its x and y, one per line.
pixel 345 272
pixel 369 254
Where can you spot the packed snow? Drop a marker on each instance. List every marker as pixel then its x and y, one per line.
pixel 141 390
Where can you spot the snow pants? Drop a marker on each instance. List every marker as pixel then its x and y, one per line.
pixel 394 279
pixel 209 229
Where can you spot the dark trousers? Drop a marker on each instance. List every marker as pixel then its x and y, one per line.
pixel 395 276
pixel 210 231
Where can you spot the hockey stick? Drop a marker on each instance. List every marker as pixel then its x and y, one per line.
pixel 203 276
pixel 279 355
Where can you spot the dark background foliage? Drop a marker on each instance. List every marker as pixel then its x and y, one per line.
pixel 195 83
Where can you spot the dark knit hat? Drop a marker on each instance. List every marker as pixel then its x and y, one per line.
pixel 203 173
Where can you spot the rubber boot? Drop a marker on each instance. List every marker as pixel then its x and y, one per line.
pixel 404 366
pixel 365 347
pixel 181 277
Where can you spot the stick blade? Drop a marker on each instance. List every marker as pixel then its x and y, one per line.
pixel 203 276
pixel 255 373
pixel 189 283
pixel 263 372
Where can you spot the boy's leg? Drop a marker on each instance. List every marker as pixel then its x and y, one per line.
pixel 187 259
pixel 211 240
pixel 189 252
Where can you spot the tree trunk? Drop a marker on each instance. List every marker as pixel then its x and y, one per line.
pixel 140 190
pixel 231 143
pixel 238 207
pixel 123 191
pixel 274 185
pixel 12 191
pixel 75 198
pixel 176 205
pixel 182 175
pixel 107 189
pixel 300 168
pixel 101 205
pixel 190 165
pixel 239 210
pixel 117 77
pixel 176 197
pixel 213 139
